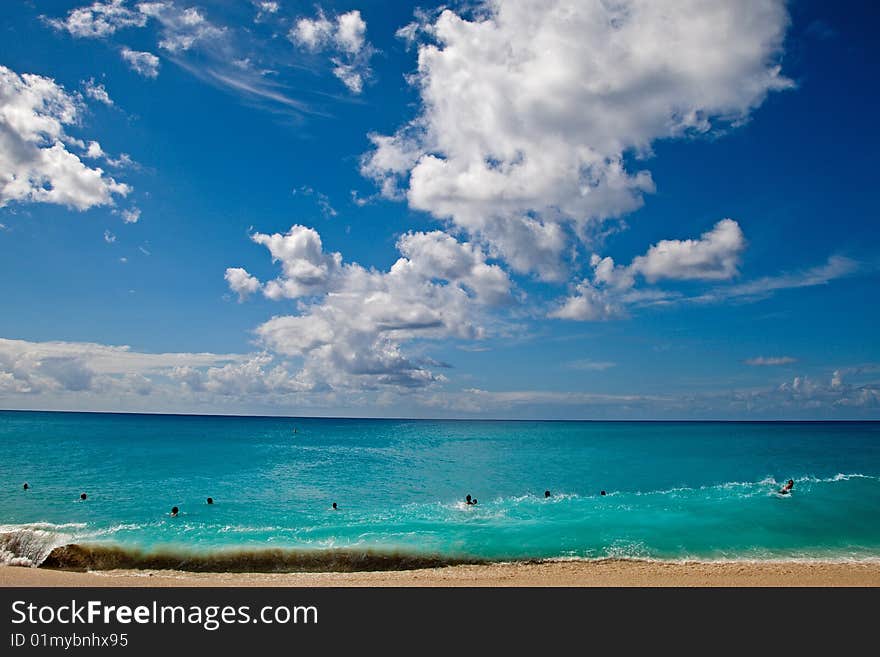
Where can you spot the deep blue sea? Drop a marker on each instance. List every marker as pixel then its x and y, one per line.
pixel 675 490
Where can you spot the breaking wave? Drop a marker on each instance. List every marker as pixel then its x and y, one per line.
pixel 86 557
pixel 29 545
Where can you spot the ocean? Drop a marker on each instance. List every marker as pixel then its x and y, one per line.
pixel 674 491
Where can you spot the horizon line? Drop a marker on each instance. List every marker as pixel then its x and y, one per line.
pixel 436 419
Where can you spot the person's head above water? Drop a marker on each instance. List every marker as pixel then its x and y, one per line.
pixel 791 482
pixel 174 511
pixel 26 485
pixel 474 501
pixel 546 493
pixel 210 500
pixel 467 499
pixel 83 496
pixel 334 506
pixel 602 492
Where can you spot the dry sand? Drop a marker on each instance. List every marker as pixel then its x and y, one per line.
pixel 559 573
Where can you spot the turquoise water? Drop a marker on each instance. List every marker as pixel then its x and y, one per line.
pixel 675 490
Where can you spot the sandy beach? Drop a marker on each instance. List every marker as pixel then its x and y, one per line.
pixel 559 573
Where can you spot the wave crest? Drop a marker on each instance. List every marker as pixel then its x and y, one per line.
pixel 99 557
pixel 30 545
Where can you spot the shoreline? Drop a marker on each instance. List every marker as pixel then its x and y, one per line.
pixel 568 573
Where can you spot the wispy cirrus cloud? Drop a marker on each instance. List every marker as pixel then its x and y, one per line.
pixel 612 291
pixel 770 361
pixel 590 365
pixel 228 57
pixel 836 267
pixel 250 84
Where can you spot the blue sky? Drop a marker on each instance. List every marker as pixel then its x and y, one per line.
pixel 532 210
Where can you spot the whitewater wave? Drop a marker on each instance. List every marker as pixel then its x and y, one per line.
pixel 100 557
pixel 520 507
pixel 766 485
pixel 79 557
pixel 759 486
pixel 838 477
pixel 29 545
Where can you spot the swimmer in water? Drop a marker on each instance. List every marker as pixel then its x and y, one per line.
pixel 602 493
pixel 467 500
pixel 475 501
pixel 785 490
pixel 26 485
pixel 210 500
pixel 546 494
pixel 335 508
pixel 83 497
pixel 174 511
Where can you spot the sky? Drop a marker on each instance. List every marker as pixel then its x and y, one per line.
pixel 548 209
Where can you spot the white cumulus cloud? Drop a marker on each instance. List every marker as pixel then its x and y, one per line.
pixel 306 269
pixel 714 256
pixel 588 304
pixel 131 215
pixel 258 375
pixel 353 323
pixel 345 36
pixel 36 164
pixel 98 92
pixel 181 28
pixel 240 282
pixel 529 107
pixel 100 19
pixel 265 8
pixel 141 62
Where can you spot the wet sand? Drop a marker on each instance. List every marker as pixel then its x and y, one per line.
pixel 555 573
